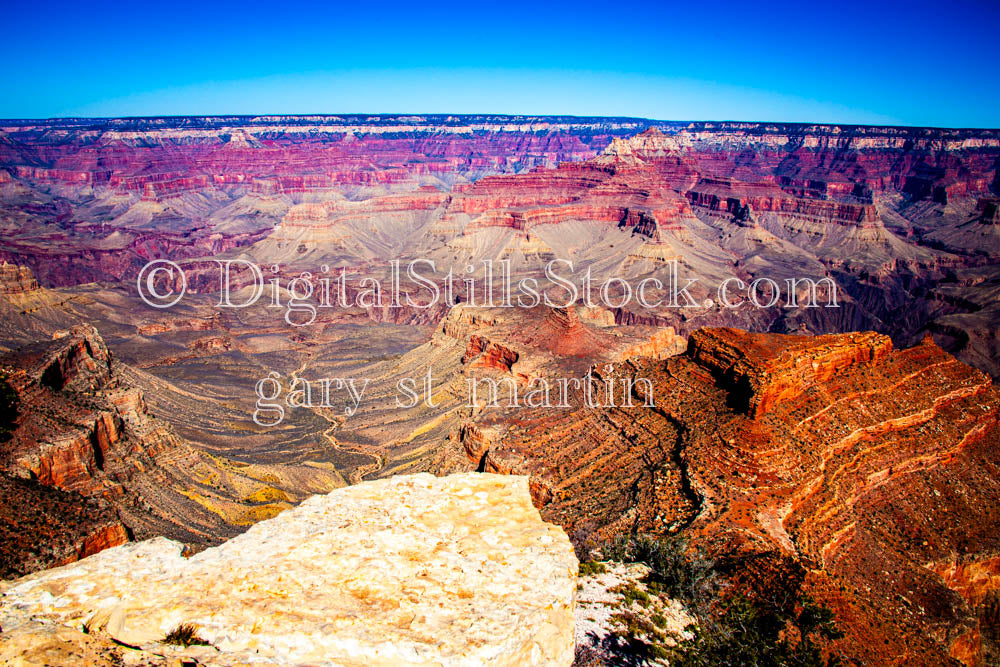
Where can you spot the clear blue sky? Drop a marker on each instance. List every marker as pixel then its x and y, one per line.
pixel 910 63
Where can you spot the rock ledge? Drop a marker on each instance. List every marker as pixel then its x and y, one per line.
pixel 456 570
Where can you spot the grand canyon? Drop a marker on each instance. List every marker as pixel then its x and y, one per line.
pixel 810 405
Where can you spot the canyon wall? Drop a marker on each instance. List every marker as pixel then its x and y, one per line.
pixel 103 470
pixel 866 469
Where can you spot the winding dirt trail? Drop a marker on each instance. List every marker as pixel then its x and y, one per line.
pixel 378 456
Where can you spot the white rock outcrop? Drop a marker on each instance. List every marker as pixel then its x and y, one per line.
pixel 412 570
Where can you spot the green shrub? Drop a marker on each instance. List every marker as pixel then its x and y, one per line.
pixel 675 570
pixel 740 631
pixel 749 633
pixel 592 567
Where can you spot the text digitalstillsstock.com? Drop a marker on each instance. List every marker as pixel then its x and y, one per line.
pixel 242 284
pixel 162 283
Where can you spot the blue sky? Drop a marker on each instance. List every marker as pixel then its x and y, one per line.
pixel 909 63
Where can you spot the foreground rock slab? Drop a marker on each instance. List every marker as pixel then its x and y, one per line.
pixel 411 570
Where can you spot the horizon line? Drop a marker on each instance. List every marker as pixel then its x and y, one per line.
pixel 499 115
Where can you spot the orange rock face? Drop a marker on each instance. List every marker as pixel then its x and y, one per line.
pixel 871 472
pixel 46 527
pixel 101 539
pixel 662 344
pixel 768 373
pixel 483 353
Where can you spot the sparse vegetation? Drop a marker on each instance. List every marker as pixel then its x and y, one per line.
pixel 185 634
pixel 592 567
pixel 730 630
pixel 632 594
pixel 675 570
pixel 751 633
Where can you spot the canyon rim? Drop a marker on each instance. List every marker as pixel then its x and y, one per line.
pixel 540 378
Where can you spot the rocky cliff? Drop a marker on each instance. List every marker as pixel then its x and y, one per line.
pixel 761 375
pixel 43 526
pixel 413 570
pixel 869 471
pixel 103 470
pixel 16 279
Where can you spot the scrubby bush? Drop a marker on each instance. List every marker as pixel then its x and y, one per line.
pixel 592 567
pixel 734 630
pixel 675 569
pixel 748 633
pixel 185 634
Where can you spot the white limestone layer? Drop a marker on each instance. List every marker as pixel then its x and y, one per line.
pixel 412 570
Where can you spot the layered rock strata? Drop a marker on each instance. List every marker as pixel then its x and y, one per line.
pixel 869 470
pixel 16 279
pixel 101 469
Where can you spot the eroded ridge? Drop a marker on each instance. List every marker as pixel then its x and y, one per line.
pixel 85 446
pixel 872 471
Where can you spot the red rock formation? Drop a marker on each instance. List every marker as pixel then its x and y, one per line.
pixel 563 333
pixel 477 440
pixel 101 539
pixel 664 343
pixel 767 374
pixel 729 195
pixel 630 194
pixel 483 353
pixel 45 527
pixel 81 431
pixel 863 468
pixel 16 279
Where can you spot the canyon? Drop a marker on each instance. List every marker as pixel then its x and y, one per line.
pixel 901 220
pixel 847 453
pixel 106 471
pixel 830 456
